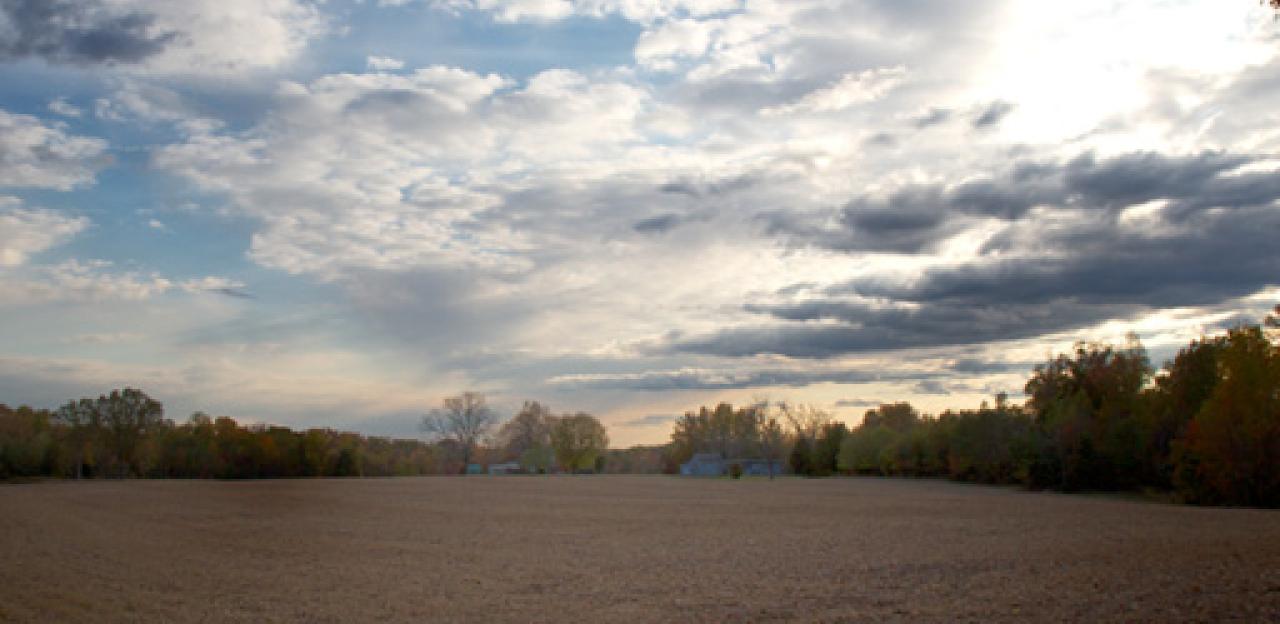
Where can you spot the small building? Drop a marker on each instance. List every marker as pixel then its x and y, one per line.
pixel 759 467
pixel 713 465
pixel 505 468
pixel 704 465
pixel 475 469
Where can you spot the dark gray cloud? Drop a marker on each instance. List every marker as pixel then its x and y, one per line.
pixel 78 32
pixel 979 366
pixel 881 139
pixel 703 379
pixel 1213 241
pixel 235 293
pixel 705 188
pixel 657 225
pixel 1206 259
pixel 931 386
pixel 932 117
pixel 916 217
pixel 862 328
pixel 907 221
pixel 993 114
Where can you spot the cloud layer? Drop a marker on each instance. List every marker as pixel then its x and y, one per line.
pixel 830 200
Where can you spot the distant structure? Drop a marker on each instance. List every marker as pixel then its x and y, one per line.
pixel 506 468
pixel 712 465
pixel 475 469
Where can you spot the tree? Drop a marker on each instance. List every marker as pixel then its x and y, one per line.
pixel 1180 391
pixel 112 425
pixel 129 416
pixel 722 430
pixel 1089 405
pixel 865 450
pixel 26 442
pixel 772 435
pixel 805 420
pixel 897 416
pixel 1231 451
pixel 827 448
pixel 528 432
pixel 464 419
pixel 578 440
pixel 801 454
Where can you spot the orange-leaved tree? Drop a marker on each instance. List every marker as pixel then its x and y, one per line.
pixel 1231 451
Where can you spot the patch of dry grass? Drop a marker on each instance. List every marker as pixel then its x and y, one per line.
pixel 621 548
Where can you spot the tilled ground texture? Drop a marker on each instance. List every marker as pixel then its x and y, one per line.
pixel 621 549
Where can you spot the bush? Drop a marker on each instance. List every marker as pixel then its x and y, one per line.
pixel 735 471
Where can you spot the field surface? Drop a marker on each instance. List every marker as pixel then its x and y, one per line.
pixel 621 549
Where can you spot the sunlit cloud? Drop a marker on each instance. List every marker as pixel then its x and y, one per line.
pixel 679 202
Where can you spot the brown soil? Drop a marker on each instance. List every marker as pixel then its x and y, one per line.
pixel 621 549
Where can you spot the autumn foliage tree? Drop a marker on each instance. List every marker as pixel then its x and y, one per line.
pixel 1088 403
pixel 1231 450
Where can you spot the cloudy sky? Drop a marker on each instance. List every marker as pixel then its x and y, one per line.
pixel 336 213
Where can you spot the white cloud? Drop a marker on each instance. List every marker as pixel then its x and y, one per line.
pixel 660 48
pixel 60 106
pixel 530 10
pixel 37 155
pixel 228 37
pixel 543 234
pixel 29 231
pixel 551 10
pixel 1074 66
pixel 384 63
pixel 145 103
pixel 852 89
pixel 76 281
pixel 187 39
pixel 398 172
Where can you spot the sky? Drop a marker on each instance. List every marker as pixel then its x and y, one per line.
pixel 334 214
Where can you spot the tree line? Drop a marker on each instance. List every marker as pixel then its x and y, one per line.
pixel 1205 427
pixel 124 434
pixel 535 439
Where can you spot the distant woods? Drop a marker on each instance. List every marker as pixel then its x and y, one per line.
pixel 124 434
pixel 1205 428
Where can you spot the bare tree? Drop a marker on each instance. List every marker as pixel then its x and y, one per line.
pixel 464 419
pixel 806 420
pixel 772 436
